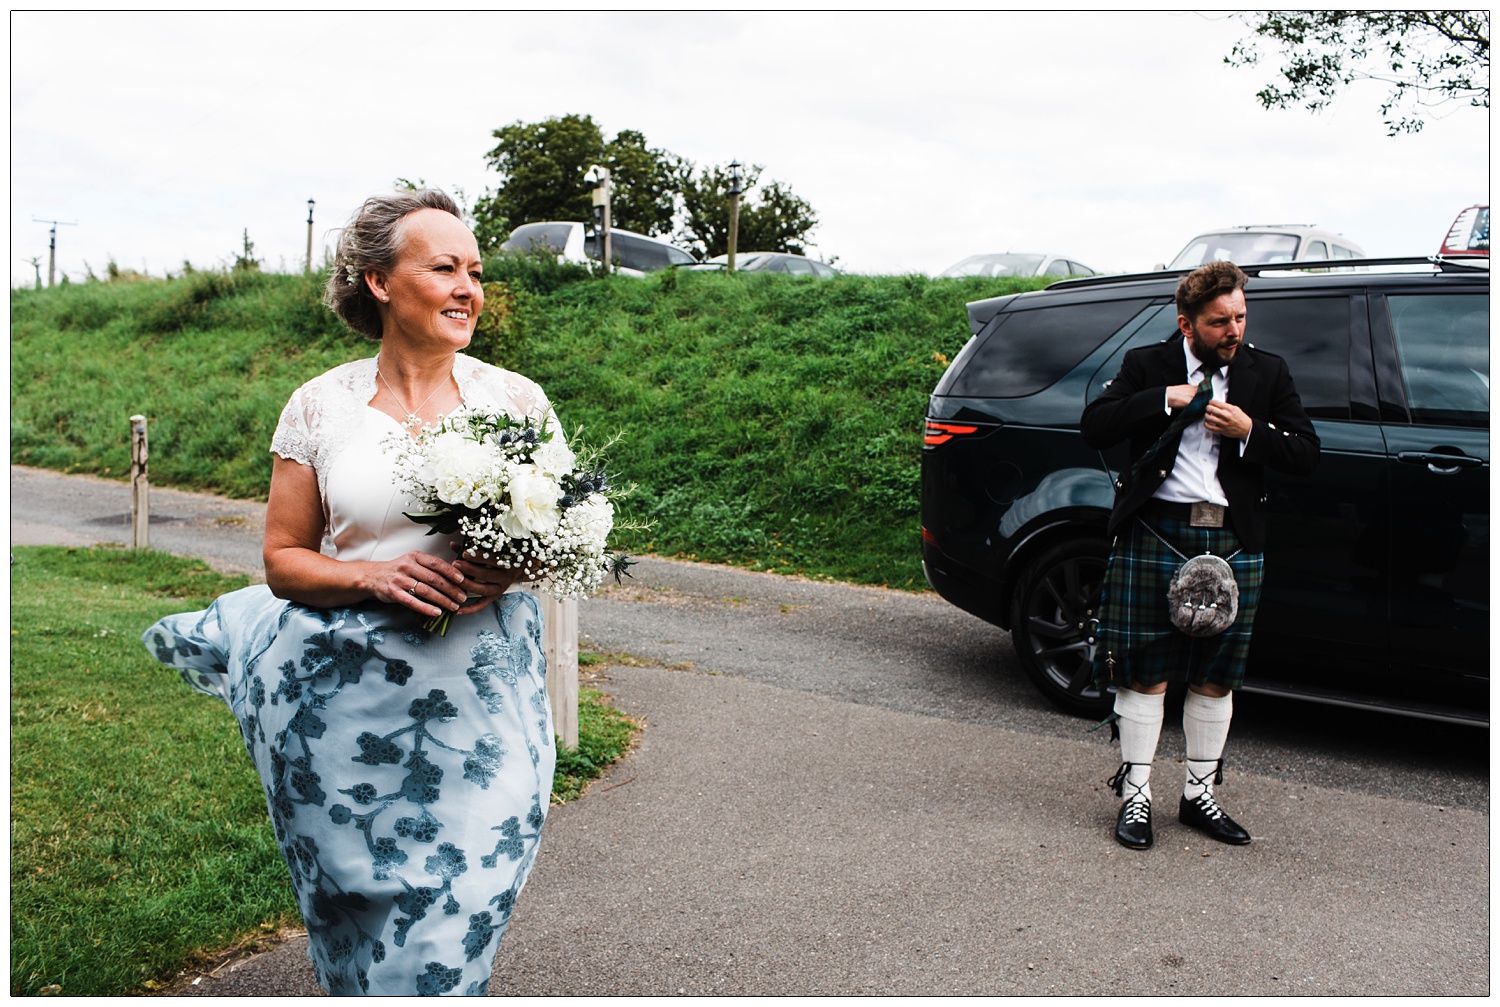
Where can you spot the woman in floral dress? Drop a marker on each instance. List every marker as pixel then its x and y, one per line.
pixel 407 773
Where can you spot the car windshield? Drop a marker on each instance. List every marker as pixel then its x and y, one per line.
pixel 995 265
pixel 1236 246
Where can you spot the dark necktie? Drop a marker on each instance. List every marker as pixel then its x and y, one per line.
pixel 1187 414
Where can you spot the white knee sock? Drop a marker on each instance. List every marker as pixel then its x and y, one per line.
pixel 1140 727
pixel 1205 722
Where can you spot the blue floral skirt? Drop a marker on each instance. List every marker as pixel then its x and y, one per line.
pixel 407 774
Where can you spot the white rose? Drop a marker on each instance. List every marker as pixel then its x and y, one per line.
pixel 533 503
pixel 460 469
pixel 554 457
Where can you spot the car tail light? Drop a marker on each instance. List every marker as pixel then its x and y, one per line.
pixel 942 433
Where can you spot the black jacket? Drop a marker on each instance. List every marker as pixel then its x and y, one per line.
pixel 1132 407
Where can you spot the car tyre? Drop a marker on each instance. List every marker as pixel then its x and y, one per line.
pixel 1052 625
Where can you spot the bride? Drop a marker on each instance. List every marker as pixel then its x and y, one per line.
pixel 407 774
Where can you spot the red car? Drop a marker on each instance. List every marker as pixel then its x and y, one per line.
pixel 1470 233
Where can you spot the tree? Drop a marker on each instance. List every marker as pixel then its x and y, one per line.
pixel 644 184
pixel 1428 59
pixel 779 221
pixel 541 168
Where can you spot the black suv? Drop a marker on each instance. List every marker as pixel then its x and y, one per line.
pixel 1376 589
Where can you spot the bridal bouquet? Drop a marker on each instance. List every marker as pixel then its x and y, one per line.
pixel 516 494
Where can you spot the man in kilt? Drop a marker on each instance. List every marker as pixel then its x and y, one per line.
pixel 1205 414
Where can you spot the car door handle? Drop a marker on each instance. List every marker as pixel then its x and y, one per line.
pixel 1440 464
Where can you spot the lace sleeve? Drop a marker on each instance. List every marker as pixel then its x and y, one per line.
pixel 294 438
pixel 496 388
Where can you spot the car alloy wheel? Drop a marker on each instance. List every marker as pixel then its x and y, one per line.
pixel 1052 624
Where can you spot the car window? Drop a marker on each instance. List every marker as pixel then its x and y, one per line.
pixel 1236 246
pixel 633 252
pixel 1079 269
pixel 1316 250
pixel 1058 267
pixel 1340 252
pixel 1021 352
pixel 1010 264
pixel 799 267
pixel 1312 335
pixel 821 270
pixel 528 236
pixel 1442 342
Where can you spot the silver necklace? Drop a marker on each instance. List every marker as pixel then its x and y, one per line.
pixel 412 419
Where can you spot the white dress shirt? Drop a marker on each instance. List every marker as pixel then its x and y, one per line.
pixel 1195 477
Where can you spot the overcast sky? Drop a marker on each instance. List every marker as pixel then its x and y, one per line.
pixel 917 138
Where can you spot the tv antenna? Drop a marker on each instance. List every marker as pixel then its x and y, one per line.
pixel 52 245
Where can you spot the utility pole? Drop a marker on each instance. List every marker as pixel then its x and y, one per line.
pixel 309 236
pixel 36 263
pixel 52 246
pixel 734 209
pixel 601 198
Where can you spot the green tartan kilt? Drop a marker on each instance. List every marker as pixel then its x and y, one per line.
pixel 1136 641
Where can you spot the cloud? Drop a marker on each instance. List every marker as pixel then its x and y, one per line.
pixel 917 138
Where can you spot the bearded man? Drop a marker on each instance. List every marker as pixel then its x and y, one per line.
pixel 1205 414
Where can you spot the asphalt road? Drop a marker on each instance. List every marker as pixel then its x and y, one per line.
pixel 853 790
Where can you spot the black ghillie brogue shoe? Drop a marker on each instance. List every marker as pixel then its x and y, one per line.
pixel 1133 829
pixel 1204 814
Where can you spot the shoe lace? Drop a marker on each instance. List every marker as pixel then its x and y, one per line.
pixel 1137 805
pixel 1118 781
pixel 1217 771
pixel 1208 806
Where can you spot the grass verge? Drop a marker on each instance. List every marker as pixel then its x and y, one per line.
pixel 769 421
pixel 139 835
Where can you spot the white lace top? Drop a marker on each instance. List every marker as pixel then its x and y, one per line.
pixel 329 424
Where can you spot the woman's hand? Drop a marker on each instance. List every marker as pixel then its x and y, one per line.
pixel 483 579
pixel 421 582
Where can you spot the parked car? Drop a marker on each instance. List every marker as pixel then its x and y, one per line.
pixel 1470 233
pixel 1018 264
pixel 1376 590
pixel 776 262
pixel 1254 243
pixel 634 254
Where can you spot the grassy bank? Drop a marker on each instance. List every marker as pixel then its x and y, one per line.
pixel 770 421
pixel 139 832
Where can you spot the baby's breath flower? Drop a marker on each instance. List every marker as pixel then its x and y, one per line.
pixel 516 494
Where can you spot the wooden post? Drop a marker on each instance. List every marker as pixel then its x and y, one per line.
pixel 140 504
pixel 560 644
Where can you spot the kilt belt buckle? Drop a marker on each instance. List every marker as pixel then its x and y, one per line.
pixel 1206 515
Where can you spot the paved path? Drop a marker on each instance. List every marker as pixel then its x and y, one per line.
pixel 775 837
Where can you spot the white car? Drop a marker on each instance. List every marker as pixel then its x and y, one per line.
pixel 1018 264
pixel 634 254
pixel 1254 243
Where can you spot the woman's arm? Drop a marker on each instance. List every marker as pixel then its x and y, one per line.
pixel 297 571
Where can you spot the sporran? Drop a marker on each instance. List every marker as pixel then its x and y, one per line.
pixel 1203 598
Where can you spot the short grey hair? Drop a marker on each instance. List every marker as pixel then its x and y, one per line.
pixel 371 240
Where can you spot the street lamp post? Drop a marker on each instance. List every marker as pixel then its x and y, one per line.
pixel 309 235
pixel 600 196
pixel 734 209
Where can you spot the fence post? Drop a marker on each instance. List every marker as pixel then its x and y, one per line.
pixel 140 504
pixel 560 644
